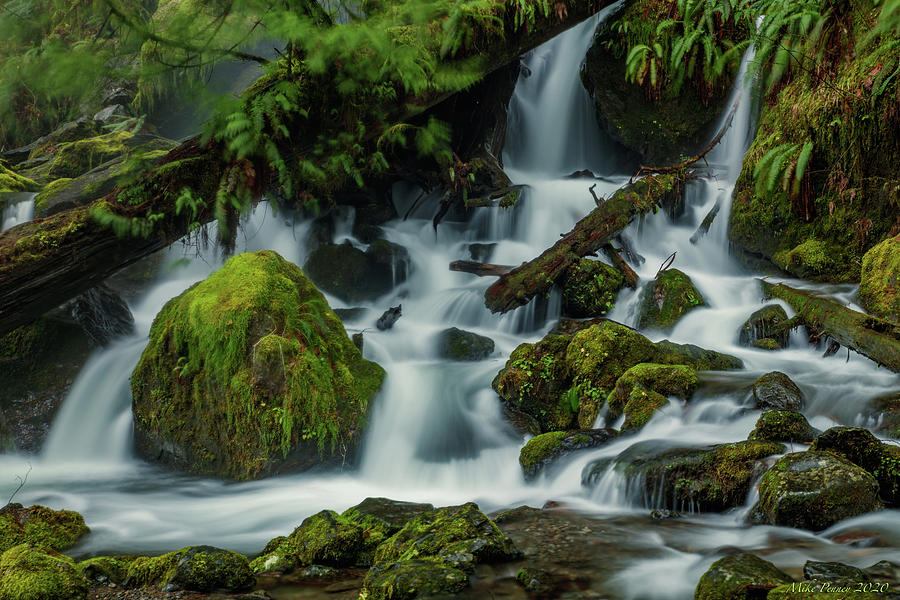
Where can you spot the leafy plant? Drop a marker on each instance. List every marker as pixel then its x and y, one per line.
pixel 785 167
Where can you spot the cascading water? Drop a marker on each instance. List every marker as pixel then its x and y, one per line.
pixel 19 209
pixel 437 433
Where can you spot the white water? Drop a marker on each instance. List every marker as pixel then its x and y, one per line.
pixel 437 433
pixel 19 210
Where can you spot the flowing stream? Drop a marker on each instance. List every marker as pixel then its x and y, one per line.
pixel 437 433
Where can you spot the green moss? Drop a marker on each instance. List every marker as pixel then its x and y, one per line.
pixel 380 518
pixel 196 568
pixel 671 296
pixel 879 285
pixel 71 159
pixel 417 578
pixel 10 181
pixel 766 328
pixel 783 426
pixel 539 448
pixel 106 569
pixel 810 259
pixel 739 577
pixel 643 388
pixel 41 526
pixel 862 448
pixel 325 538
pixel 250 370
pixel 50 190
pixel 30 573
pixel 589 288
pixel 767 344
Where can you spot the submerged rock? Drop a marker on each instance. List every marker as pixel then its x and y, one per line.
pixel 879 284
pixel 41 526
pixel 644 388
pixel 776 391
pixel 814 490
pixel 352 275
pixel 863 449
pixel 764 325
pixel 456 344
pixel 832 571
pixel 196 568
pixel 589 288
pixel 668 298
pixel 783 426
pixel 250 373
pixel 543 450
pixel 739 577
pixel 885 411
pixel 28 572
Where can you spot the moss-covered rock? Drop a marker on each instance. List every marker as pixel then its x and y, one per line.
pixel 764 324
pixel 416 578
pixel 862 448
pixel 666 299
pixel 783 426
pixel 739 577
pixel 879 284
pixel 816 590
pixel 249 373
pixel 10 181
pixel 106 569
pixel 543 450
pixel 352 275
pixel 28 572
pixel 44 527
pixel 832 571
pixel 196 568
pixel 776 391
pixel 589 288
pixel 885 411
pixel 380 518
pixel 456 344
pixel 535 581
pixel 325 538
pixel 814 490
pixel 712 478
pixel 644 388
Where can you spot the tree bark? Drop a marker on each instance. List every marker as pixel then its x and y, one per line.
pixel 870 336
pixel 478 268
pixel 631 278
pixel 519 286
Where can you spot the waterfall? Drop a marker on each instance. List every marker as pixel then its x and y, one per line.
pixel 19 209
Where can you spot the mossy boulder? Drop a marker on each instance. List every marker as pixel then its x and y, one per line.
pixel 353 275
pixel 644 388
pixel 381 518
pixel 28 572
pixel 10 181
pixel 741 576
pixel 711 478
pixel 814 490
pixel 415 578
pixel 106 569
pixel 783 426
pixel 832 571
pixel 196 568
pixel 563 380
pixel 885 411
pixel 776 391
pixel 456 344
pixel 589 288
pixel 543 450
pixel 666 299
pixel 41 526
pixel 863 449
pixel 325 538
pixel 249 373
pixel 765 324
pixel 818 590
pixel 879 284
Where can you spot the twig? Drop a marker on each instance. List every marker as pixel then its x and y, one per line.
pixel 22 481
pixel 667 263
pixel 597 200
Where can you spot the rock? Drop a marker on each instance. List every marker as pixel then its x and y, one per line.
pixel 885 410
pixel 102 314
pixel 776 391
pixel 389 317
pixel 764 325
pixel 113 113
pixel 352 275
pixel 196 568
pixel 666 299
pixel 325 538
pixel 644 388
pixel 535 581
pixel 67 132
pixel 415 578
pixel 879 285
pixel 739 577
pixel 249 373
pixel 589 288
pixel 28 572
pixel 106 569
pixel 544 450
pixel 40 526
pixel 481 252
pixel 783 426
pixel 380 518
pixel 710 478
pixel 814 490
pixel 863 449
pixel 767 344
pixel 456 344
pixel 832 571
pixel 10 181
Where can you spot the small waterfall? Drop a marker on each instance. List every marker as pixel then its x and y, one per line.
pixel 19 209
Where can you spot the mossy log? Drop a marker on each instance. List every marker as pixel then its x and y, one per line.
pixel 47 261
pixel 519 286
pixel 479 268
pixel 870 336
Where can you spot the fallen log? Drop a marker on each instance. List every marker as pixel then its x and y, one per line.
pixel 479 268
pixel 48 261
pixel 523 283
pixel 870 336
pixel 631 278
pixel 707 222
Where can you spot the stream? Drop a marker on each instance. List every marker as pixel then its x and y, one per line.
pixel 437 432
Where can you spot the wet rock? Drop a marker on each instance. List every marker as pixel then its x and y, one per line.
pixel 415 578
pixel 863 449
pixel 281 385
pixel 711 478
pixel 767 344
pixel 380 518
pixel 67 132
pixel 352 275
pixel 114 113
pixel 879 285
pixel 106 569
pixel 764 325
pixel 783 426
pixel 776 391
pixel 663 514
pixel 481 252
pixel 589 288
pixel 832 571
pixel 389 317
pixel 324 538
pixel 544 450
pixel 350 314
pixel 102 314
pixel 644 388
pixel 11 182
pixel 885 411
pixel 668 298
pixel 41 526
pixel 196 568
pixel 456 344
pixel 28 572
pixel 739 577
pixel 535 581
pixel 814 490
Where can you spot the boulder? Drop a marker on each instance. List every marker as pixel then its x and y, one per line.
pixel 879 284
pixel 456 344
pixel 106 569
pixel 863 449
pixel 325 538
pixel 814 490
pixel 414 578
pixel 352 275
pixel 644 388
pixel 589 288
pixel 41 526
pixel 666 299
pixel 102 314
pixel 10 181
pixel 739 577
pixel 28 572
pixel 196 568
pixel 764 325
pixel 544 450
pixel 783 426
pixel 380 518
pixel 885 411
pixel 776 391
pixel 249 373
pixel 832 571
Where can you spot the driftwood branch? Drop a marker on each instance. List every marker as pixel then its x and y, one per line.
pixel 631 278
pixel 479 268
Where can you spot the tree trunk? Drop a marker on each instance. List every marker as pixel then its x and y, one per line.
pixel 870 336
pixel 478 268
pixel 631 278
